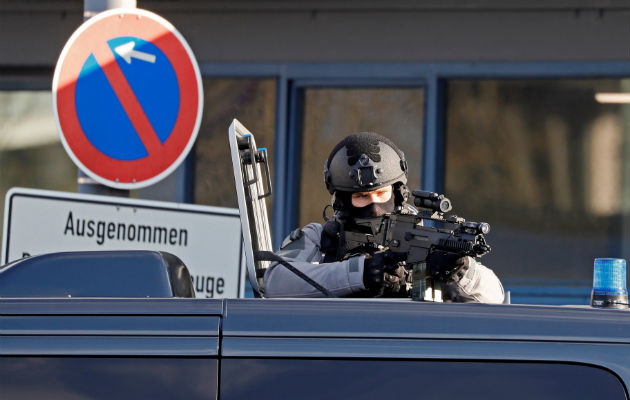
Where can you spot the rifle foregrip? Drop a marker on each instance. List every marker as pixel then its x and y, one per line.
pixel 455 245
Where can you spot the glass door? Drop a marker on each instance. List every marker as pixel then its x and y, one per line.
pixel 326 114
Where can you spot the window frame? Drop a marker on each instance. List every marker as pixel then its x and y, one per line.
pixel 294 138
pixel 293 77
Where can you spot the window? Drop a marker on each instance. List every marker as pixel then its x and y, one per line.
pixel 329 114
pixel 548 167
pixel 376 379
pixel 108 378
pixel 31 153
pixel 251 101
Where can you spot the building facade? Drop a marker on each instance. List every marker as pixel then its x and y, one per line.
pixel 502 106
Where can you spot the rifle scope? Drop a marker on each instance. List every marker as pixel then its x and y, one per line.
pixel 432 201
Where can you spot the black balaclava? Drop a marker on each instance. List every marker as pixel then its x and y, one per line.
pixel 344 209
pixel 373 209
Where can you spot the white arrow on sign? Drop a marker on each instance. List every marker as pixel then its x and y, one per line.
pixel 126 51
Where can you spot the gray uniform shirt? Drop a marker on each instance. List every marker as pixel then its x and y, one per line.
pixel 473 283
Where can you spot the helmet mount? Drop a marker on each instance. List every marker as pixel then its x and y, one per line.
pixel 365 172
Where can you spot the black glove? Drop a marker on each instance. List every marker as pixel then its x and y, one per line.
pixel 446 266
pixel 374 271
pixel 461 268
pixel 383 276
pixel 397 282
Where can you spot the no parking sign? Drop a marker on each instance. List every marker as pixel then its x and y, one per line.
pixel 128 99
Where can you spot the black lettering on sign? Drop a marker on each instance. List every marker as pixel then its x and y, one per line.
pixel 90 228
pixel 183 237
pixel 120 231
pixel 111 230
pixel 69 225
pixel 131 236
pixel 80 228
pixel 144 231
pixel 220 285
pixel 100 232
pixel 172 236
pixel 208 285
pixel 159 234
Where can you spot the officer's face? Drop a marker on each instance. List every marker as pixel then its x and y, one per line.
pixel 362 199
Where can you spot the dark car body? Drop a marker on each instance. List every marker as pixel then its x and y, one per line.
pixel 309 349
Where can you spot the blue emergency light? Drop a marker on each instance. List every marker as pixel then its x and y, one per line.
pixel 609 283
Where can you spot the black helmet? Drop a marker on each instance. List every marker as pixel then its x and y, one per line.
pixel 364 162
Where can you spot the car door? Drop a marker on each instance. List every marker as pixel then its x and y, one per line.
pixel 313 349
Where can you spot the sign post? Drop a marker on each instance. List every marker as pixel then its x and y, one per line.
pixel 85 184
pixel 127 98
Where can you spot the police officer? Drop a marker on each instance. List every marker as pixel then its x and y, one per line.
pixel 367 174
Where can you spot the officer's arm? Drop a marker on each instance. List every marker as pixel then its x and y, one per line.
pixel 302 250
pixel 473 282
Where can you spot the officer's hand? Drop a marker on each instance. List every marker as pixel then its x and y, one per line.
pixel 374 271
pixel 397 282
pixel 454 270
pixel 462 265
pixel 472 282
pixel 383 277
pixel 443 265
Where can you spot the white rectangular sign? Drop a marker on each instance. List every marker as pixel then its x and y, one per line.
pixel 207 239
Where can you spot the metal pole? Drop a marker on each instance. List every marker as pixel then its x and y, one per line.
pixel 93 7
pixel 85 184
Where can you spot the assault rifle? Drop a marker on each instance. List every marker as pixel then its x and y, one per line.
pixel 429 242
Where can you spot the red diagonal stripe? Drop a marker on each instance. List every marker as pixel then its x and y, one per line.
pixel 131 105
